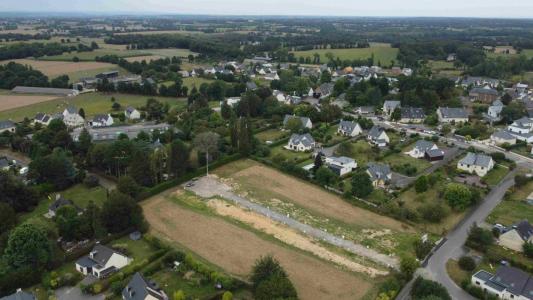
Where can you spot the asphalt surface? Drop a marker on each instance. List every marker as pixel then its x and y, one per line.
pixel 208 187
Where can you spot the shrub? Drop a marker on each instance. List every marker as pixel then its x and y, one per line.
pixel 91 181
pixel 408 266
pixel 422 249
pixel 528 249
pixel 433 212
pixel 423 289
pixel 421 184
pixel 479 238
pixel 467 263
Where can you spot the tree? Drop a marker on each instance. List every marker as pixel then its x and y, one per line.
pixel 68 223
pixel 139 167
pixel 27 246
pixel 225 110
pixel 433 212
pixel 318 161
pixel 325 77
pixel 81 112
pixel 425 289
pixel 361 184
pixel 178 158
pixel 245 144
pixel 270 281
pixel 121 212
pixel 467 263
pixel 479 238
pixel 207 142
pixel 84 141
pixel 408 266
pixel 396 114
pixel 458 196
pixel 422 249
pixel 16 195
pixel 179 295
pixel 294 125
pixel 56 169
pixel 528 249
pixel 8 217
pixel 325 176
pixel 421 184
pixel 227 295
pixel 127 185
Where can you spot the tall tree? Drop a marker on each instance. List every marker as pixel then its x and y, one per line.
pixel 27 246
pixel 207 142
pixel 121 212
pixel 361 184
pixel 178 158
pixel 139 168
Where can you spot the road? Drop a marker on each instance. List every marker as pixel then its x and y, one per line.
pixel 209 186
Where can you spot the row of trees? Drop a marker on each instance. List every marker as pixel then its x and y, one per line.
pixel 14 74
pixel 24 50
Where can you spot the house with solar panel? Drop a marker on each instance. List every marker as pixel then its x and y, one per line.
pixel 507 283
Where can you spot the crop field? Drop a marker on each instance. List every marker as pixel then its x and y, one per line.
pixel 56 68
pixel 382 53
pixel 92 103
pixel 12 101
pixel 235 250
pixel 316 207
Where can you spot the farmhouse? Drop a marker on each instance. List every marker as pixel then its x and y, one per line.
pixel 426 149
pixel 7 126
pixel 19 295
pixel 139 288
pixel 378 137
pixel 412 115
pixel 479 164
pixel 45 91
pixel 301 142
pixel 507 283
pixel 517 235
pixel 102 120
pixel 102 261
pixel 132 114
pixel 452 115
pixel 380 174
pixel 485 94
pixel 71 117
pixel 503 137
pixel 341 165
pixel 389 106
pixel 349 128
pixel 306 122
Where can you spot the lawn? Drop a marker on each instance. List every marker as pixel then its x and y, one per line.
pixel 171 281
pixel 495 175
pixel 514 207
pixel 190 82
pixel 271 135
pixel 362 152
pixel 280 151
pixel 76 76
pixel 382 53
pixel 171 52
pixel 138 250
pixel 92 103
pixel 79 194
pixel 456 273
pixel 399 159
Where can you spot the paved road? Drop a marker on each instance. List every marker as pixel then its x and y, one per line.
pixel 209 186
pixel 453 247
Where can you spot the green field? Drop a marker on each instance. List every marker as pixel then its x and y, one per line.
pixel 271 135
pixel 514 208
pixel 495 175
pixel 171 52
pixel 361 151
pixel 90 56
pixel 382 53
pixel 189 82
pixel 92 103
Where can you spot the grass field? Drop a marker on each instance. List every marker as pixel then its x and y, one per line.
pixel 495 175
pixel 191 82
pixel 400 159
pixel 90 56
pixel 456 273
pixel 514 208
pixel 280 153
pixel 92 103
pixel 235 250
pixel 56 68
pixel 382 53
pixel 12 101
pixel 270 135
pixel 362 152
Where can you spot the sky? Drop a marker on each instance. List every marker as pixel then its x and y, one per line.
pixel 400 8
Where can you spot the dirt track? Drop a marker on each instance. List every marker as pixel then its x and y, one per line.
pixel 235 250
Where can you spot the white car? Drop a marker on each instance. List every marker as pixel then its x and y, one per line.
pixel 23 171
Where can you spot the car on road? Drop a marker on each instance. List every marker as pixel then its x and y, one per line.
pixel 190 184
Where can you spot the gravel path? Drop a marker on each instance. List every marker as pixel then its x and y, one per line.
pixel 208 187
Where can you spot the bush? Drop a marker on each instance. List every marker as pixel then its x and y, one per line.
pixel 422 249
pixel 479 238
pixel 467 263
pixel 423 289
pixel 91 181
pixel 528 249
pixel 421 184
pixel 433 212
pixel 408 266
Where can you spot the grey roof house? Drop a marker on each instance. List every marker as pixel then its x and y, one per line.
pixel 306 122
pixel 140 288
pixel 19 295
pixel 349 128
pixel 380 174
pixel 452 114
pixel 377 136
pixel 477 163
pixel 390 105
pixel 412 115
pixel 507 283
pixel 102 261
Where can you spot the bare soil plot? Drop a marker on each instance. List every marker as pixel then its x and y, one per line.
pixel 262 178
pixel 8 101
pixel 236 249
pixel 56 68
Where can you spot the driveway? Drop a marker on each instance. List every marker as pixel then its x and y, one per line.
pixel 210 186
pixel 74 293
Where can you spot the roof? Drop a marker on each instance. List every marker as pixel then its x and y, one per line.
pixel 4 162
pixel 512 278
pixel 6 124
pixel 130 109
pixel 391 104
pixel 435 153
pixel 366 109
pixel 306 139
pixel 497 103
pixel 484 90
pixel 524 229
pixel 326 88
pixel 504 135
pixel 475 159
pixel 413 113
pixel 58 203
pixel 483 275
pixel 101 118
pixel 251 85
pixel 453 113
pixel 379 171
pixel 72 110
pixel 375 131
pixel 342 160
pixel 423 145
pixel 43 90
pixel 99 255
pixel 304 120
pixel 19 295
pixel 348 125
pixel 139 288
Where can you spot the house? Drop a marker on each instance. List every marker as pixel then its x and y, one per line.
pixel 426 149
pixel 102 261
pixel 341 165
pixel 324 90
pixel 503 137
pixel 480 164
pixel 517 235
pixel 306 122
pixel 407 72
pixel 494 111
pixel 452 115
pixel 365 110
pixel 390 105
pixel 272 76
pixel 279 95
pixel 412 115
pixel 349 128
pixel 71 117
pixel 132 114
pixel 43 119
pixel 451 57
pixel 45 91
pixel 184 74
pixel 377 136
pixel 101 120
pixel 7 126
pixel 522 129
pixel 140 288
pixel 231 101
pixel 484 94
pixel 58 203
pixel 380 174
pixel 301 142
pixel 508 283
pixel 251 86
pixel 19 295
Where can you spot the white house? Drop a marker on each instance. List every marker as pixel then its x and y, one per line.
pixel 377 136
pixel 231 101
pixel 102 121
pixel 306 122
pixel 349 128
pixel 390 105
pixel 301 142
pixel 341 165
pixel 8 126
pixel 503 137
pixel 71 118
pixel 508 283
pixel 132 114
pixel 380 174
pixel 140 288
pixel 279 95
pixel 480 164
pixel 421 148
pixel 522 129
pixel 516 236
pixel 494 111
pixel 102 261
pixel 452 115
pixel 43 119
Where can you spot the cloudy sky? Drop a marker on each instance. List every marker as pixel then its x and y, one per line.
pixel 447 8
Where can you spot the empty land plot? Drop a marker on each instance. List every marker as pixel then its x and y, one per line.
pixel 56 68
pixel 235 250
pixel 270 183
pixel 382 53
pixel 8 101
pixel 146 58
